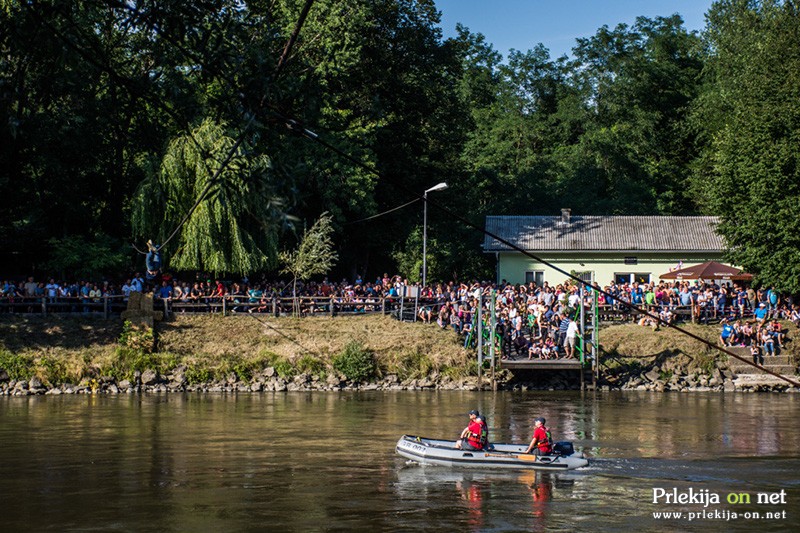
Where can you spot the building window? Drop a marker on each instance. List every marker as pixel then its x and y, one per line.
pixel 630 260
pixel 630 277
pixel 535 276
pixel 586 275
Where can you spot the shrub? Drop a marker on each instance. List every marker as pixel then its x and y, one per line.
pixel 285 369
pixel 16 366
pixel 470 368
pixel 412 365
pixel 127 361
pixel 355 362
pixel 311 365
pixel 196 375
pixel 244 368
pixel 54 370
pixel 137 338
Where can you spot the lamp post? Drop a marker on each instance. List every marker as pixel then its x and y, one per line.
pixel 437 187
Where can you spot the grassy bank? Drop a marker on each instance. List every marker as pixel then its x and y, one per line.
pixel 629 349
pixel 211 347
pixel 58 350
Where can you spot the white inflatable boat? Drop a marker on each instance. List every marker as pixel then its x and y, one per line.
pixel 443 452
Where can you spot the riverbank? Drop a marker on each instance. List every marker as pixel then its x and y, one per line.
pixel 212 353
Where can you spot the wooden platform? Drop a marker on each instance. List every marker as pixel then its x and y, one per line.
pixel 540 364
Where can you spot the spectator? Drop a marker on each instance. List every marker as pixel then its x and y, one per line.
pixel 571 336
pixel 760 314
pixel 767 342
pixel 726 336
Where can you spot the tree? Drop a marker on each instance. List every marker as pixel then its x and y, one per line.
pixel 749 115
pixel 235 226
pixel 314 255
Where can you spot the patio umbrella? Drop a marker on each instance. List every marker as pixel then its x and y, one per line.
pixel 709 270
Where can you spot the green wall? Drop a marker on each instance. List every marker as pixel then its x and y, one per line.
pixel 512 266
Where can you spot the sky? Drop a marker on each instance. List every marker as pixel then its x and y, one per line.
pixel 522 24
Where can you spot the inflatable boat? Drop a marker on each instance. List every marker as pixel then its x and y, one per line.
pixel 444 453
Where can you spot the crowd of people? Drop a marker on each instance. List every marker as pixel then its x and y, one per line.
pixel 537 322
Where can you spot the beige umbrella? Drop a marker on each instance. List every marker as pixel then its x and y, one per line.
pixel 709 270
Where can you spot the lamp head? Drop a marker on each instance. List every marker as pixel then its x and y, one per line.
pixel 438 187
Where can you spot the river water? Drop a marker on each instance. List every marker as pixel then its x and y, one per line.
pixel 326 462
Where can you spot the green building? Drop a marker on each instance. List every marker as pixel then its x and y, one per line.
pixel 600 248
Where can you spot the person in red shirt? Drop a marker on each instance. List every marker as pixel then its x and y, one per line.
pixel 542 443
pixel 475 435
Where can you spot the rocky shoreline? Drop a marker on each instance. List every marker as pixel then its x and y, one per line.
pixel 721 379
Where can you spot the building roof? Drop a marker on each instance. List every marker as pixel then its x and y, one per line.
pixel 604 233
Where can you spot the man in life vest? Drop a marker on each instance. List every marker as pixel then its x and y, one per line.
pixel 476 435
pixel 542 442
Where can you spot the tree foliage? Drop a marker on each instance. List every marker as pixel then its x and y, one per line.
pixel 315 254
pixel 749 174
pixel 235 225
pixel 115 116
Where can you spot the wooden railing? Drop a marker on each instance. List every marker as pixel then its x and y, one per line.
pixel 228 304
pixel 405 308
pixel 105 305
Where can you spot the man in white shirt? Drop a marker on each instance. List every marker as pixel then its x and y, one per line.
pixel 569 341
pixel 137 283
pixel 126 290
pixel 52 290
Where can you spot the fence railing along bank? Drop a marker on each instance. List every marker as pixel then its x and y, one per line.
pixel 404 308
pixel 108 306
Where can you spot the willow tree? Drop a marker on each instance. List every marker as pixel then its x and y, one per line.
pixel 235 225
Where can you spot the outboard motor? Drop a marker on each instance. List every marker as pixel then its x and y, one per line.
pixel 564 448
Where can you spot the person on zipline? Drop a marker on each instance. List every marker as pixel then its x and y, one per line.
pixel 153 261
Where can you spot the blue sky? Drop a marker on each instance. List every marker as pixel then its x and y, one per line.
pixel 521 24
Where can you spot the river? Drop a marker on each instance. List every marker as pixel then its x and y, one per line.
pixel 326 462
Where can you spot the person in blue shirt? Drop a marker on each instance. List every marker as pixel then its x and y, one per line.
pixel 773 298
pixel 760 313
pixel 726 337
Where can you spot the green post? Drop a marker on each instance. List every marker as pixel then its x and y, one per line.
pixel 492 329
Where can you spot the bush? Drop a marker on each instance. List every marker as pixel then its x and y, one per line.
pixel 54 370
pixel 16 366
pixel 355 362
pixel 136 338
pixel 412 365
pixel 309 364
pixel 470 368
pixel 285 369
pixel 127 361
pixel 197 375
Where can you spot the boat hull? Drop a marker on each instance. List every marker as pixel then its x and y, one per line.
pixel 502 456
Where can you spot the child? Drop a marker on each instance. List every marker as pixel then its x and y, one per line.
pixel 755 351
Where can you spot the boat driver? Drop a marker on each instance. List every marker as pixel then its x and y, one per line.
pixel 475 435
pixel 542 442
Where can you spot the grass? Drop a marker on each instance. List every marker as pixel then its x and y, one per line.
pixel 211 347
pixel 640 348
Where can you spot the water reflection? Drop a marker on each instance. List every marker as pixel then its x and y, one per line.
pixel 311 461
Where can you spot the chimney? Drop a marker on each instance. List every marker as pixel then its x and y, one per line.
pixel 565 212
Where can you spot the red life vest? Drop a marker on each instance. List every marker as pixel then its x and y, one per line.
pixel 544 441
pixel 478 434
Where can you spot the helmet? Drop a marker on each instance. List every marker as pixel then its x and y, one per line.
pixel 540 419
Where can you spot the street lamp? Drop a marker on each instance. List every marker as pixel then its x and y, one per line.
pixel 438 187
